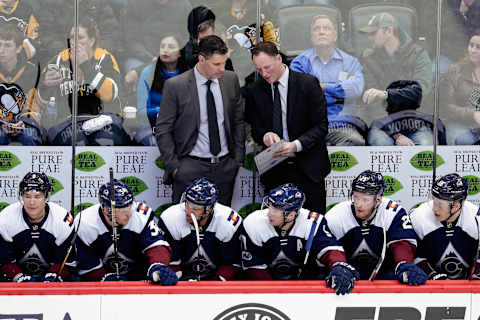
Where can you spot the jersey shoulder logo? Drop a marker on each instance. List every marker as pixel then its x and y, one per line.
pixel 233 217
pixel 68 219
pixel 142 208
pixel 392 205
pixel 313 215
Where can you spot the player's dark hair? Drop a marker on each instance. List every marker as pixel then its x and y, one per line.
pixel 211 45
pixel 267 47
pixel 92 28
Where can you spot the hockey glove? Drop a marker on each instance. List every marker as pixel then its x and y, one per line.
pixel 342 277
pixel 20 277
pixel 51 277
pixel 112 277
pixel 159 273
pixel 437 276
pixel 409 273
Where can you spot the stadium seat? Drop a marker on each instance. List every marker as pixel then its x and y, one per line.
pixel 359 15
pixel 294 23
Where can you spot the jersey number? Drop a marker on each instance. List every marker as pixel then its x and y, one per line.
pixel 154 230
pixel 407 224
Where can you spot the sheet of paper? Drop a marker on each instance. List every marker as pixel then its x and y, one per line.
pixel 265 160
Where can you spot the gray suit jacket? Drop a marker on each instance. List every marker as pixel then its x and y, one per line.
pixel 178 120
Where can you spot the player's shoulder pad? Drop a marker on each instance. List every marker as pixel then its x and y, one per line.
pixel 225 222
pixel 174 220
pixel 258 228
pixel 423 220
pixel 141 215
pixel 11 221
pixel 338 212
pixel 60 222
pixel 391 209
pixel 468 219
pixel 304 222
pixel 89 224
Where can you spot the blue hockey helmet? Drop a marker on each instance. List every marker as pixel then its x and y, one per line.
pixel 202 192
pixel 35 181
pixel 369 182
pixel 123 195
pixel 450 187
pixel 287 197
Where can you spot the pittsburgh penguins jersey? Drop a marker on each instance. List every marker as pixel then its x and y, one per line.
pixel 363 241
pixel 219 244
pixel 282 253
pixel 97 92
pixel 35 247
pixel 449 248
pixel 95 242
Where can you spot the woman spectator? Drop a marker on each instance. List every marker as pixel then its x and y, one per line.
pixel 150 85
pixel 460 101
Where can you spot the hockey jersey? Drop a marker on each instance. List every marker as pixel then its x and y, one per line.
pixel 219 244
pixel 35 247
pixel 95 243
pixel 363 241
pixel 283 253
pixel 449 248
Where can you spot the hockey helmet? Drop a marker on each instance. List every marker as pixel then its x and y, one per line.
pixel 197 16
pixel 287 197
pixel 12 101
pixel 202 192
pixel 35 181
pixel 369 182
pixel 123 195
pixel 450 187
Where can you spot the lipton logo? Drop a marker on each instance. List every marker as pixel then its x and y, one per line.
pixel 8 161
pixel 56 185
pixel 473 185
pixel 252 311
pixel 424 161
pixel 392 185
pixel 249 162
pixel 342 161
pixel 88 161
pixel 134 183
pixel 159 163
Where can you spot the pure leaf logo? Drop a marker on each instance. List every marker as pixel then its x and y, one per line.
pixel 56 185
pixel 3 205
pixel 8 161
pixel 424 161
pixel 331 206
pixel 88 161
pixel 162 208
pixel 80 207
pixel 249 162
pixel 249 208
pixel 137 185
pixel 159 163
pixel 473 185
pixel 342 161
pixel 392 185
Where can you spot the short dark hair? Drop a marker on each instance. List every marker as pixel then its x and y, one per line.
pixel 211 45
pixel 266 47
pixel 9 32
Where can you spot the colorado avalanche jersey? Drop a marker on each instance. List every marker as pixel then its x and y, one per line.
pixel 363 241
pixel 95 242
pixel 283 253
pixel 219 244
pixel 449 248
pixel 35 247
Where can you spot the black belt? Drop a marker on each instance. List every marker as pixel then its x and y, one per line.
pixel 210 160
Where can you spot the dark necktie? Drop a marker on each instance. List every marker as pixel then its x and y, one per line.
pixel 277 111
pixel 213 134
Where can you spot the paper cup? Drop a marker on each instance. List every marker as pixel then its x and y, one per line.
pixel 130 112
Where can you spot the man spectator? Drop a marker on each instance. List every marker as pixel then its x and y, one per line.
pixel 393 56
pixel 200 129
pixel 217 256
pixel 339 73
pixel 137 251
pixel 447 230
pixel 288 105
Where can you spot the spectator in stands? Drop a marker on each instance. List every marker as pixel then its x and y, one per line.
pixel 403 126
pixel 393 56
pixel 20 14
pixel 97 81
pixel 150 85
pixel 56 16
pixel 145 22
pixel 339 73
pixel 460 96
